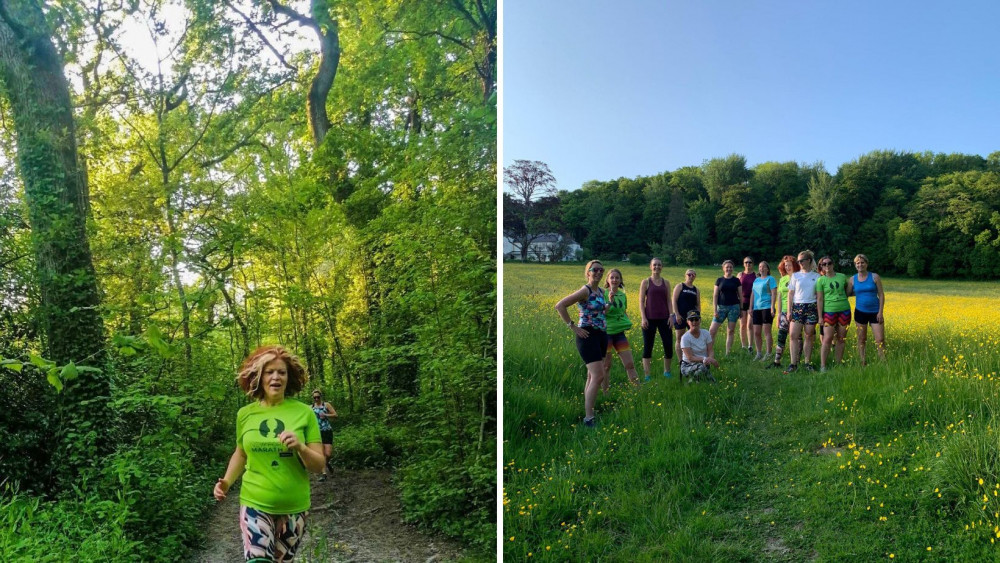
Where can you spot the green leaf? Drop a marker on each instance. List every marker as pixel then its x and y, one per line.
pixel 126 351
pixel 69 372
pixel 39 362
pixel 53 377
pixel 13 365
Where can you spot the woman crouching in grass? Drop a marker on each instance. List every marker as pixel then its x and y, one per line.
pixel 618 323
pixel 277 440
pixel 591 335
pixel 697 354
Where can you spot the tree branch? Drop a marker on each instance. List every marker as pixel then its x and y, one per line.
pixel 260 34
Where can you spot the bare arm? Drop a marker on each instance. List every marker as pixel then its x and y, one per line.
pixel 310 454
pixel 331 413
pixel 237 464
pixel 715 300
pixel 774 301
pixel 677 293
pixel 819 304
pixel 881 298
pixel 576 297
pixel 642 302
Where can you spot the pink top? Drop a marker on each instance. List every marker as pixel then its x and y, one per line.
pixel 746 280
pixel 657 300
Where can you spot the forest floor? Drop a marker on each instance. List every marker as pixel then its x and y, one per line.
pixel 356 516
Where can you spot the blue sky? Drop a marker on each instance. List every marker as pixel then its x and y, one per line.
pixel 601 90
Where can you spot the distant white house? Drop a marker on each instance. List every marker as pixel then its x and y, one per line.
pixel 548 247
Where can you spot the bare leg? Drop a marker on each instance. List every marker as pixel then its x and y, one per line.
pixel 878 331
pixel 827 340
pixel 594 370
pixel 745 341
pixel 626 356
pixel 841 339
pixel 646 366
pixel 730 336
pixel 606 372
pixel 769 338
pixel 862 337
pixel 677 345
pixel 757 342
pixel 794 335
pixel 807 346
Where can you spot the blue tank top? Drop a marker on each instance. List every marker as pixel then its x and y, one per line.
pixel 866 294
pixel 592 310
pixel 324 423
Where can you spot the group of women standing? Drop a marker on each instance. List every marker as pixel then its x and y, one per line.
pixel 802 299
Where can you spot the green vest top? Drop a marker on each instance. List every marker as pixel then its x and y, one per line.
pixel 834 293
pixel 275 481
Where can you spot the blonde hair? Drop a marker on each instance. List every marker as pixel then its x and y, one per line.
pixel 812 258
pixel 863 257
pixel 586 269
pixel 253 368
pixel 607 282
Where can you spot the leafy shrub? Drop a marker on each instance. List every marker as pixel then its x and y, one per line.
pixel 369 445
pixel 86 529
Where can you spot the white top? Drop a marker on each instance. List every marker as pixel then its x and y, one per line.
pixel 803 286
pixel 698 346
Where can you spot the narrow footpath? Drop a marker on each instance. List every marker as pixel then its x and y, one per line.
pixel 356 516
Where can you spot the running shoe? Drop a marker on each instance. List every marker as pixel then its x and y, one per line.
pixel 666 374
pixel 589 422
pixel 772 365
pixel 809 367
pixel 822 370
pixel 791 369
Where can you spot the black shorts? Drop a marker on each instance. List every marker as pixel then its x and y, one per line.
pixel 326 436
pixel 745 306
pixel 681 323
pixel 863 318
pixel 762 317
pixel 594 347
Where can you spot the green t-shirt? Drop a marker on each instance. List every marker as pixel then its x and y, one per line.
pixel 834 293
pixel 783 291
pixel 616 317
pixel 275 481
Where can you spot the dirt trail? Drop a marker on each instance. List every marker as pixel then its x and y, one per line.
pixel 355 516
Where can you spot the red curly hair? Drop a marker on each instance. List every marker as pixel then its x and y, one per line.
pixel 253 367
pixel 781 265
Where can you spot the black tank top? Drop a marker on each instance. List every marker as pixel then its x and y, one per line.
pixel 687 300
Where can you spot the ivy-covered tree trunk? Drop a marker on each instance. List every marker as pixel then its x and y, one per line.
pixel 32 76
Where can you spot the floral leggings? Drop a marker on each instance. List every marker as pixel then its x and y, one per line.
pixel 270 537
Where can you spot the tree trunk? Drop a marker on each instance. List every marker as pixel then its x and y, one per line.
pixel 32 77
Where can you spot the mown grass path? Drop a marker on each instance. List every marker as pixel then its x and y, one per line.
pixel 895 461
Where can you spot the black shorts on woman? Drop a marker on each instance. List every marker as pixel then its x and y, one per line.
pixel 594 347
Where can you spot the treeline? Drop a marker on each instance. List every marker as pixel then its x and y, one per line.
pixel 916 214
pixel 339 201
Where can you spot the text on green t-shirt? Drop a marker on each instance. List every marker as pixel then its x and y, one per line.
pixel 275 480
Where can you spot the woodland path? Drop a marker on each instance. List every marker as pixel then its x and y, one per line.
pixel 356 516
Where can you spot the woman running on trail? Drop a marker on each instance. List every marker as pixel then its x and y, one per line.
pixel 869 307
pixel 324 413
pixel 277 441
pixel 834 310
pixel 726 299
pixel 687 298
pixel 618 323
pixel 591 335
pixel 763 296
pixel 786 267
pixel 802 304
pixel 746 277
pixel 654 305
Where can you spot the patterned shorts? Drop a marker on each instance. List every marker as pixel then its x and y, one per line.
pixel 270 537
pixel 696 371
pixel 618 342
pixel 842 318
pixel 805 313
pixel 722 312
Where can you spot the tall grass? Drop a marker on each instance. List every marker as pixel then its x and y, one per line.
pixel 898 460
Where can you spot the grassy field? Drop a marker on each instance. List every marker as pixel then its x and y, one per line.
pixel 896 461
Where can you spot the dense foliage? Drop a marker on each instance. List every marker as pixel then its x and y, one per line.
pixel 915 214
pixel 218 223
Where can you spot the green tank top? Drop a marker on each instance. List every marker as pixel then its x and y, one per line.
pixel 275 480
